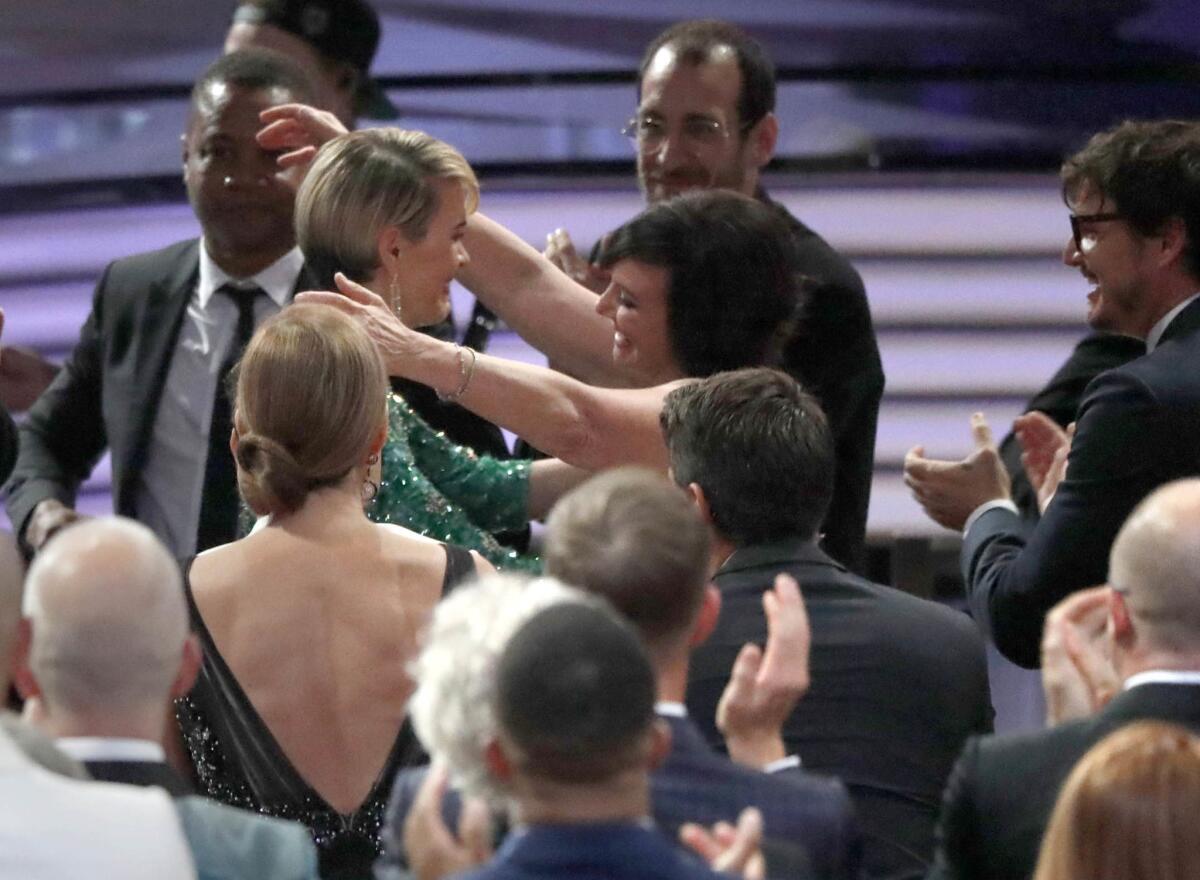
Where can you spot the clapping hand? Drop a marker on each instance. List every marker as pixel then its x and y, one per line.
pixel 1044 449
pixel 433 850
pixel 949 491
pixel 731 850
pixel 1078 677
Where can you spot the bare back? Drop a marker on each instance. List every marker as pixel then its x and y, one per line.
pixel 319 632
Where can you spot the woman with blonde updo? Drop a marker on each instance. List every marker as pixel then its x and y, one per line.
pixel 388 208
pixel 1129 809
pixel 308 624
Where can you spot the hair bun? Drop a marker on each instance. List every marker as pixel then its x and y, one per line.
pixel 271 480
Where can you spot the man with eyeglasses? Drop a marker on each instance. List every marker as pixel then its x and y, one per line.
pixel 705 119
pixel 1134 197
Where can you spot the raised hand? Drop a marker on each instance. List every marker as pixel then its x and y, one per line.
pixel 731 850
pixel 949 491
pixel 433 850
pixel 560 251
pixel 764 687
pixel 1044 449
pixel 298 130
pixel 1078 677
pixel 368 308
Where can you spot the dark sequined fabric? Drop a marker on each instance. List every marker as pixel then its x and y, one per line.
pixel 237 760
pixel 447 492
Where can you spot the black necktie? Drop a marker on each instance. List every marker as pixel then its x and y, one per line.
pixel 219 500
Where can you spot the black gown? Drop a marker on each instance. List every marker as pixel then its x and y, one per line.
pixel 237 760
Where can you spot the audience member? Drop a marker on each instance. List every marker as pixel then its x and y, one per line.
pixel 706 119
pixel 1134 194
pixel 107 650
pixel 54 826
pixel 144 379
pixel 898 683
pixel 299 710
pixel 333 41
pixel 632 537
pixel 388 208
pixel 1000 796
pixel 576 738
pixel 1128 810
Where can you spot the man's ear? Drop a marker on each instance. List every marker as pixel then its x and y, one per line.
pixel 189 667
pixel 23 680
pixel 696 493
pixel 660 744
pixel 1119 619
pixel 761 140
pixel 497 761
pixel 706 618
pixel 1174 241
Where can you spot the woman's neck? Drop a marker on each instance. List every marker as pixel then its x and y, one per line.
pixel 327 512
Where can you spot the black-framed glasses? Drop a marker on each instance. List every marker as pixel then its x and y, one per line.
pixel 1078 220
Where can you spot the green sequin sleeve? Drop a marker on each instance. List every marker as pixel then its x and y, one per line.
pixel 435 488
pixel 493 492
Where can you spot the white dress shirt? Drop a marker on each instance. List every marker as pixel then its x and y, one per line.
pixel 168 499
pixel 52 827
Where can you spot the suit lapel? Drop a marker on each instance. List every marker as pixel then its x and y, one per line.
pixel 162 315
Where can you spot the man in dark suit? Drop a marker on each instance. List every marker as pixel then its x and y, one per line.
pixel 103 651
pixel 705 119
pixel 1134 193
pixel 630 537
pixel 144 379
pixel 576 738
pixel 8 430
pixel 898 683
pixel 1002 791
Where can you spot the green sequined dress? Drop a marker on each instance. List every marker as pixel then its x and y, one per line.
pixel 449 493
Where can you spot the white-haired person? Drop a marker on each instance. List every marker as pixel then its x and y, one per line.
pixel 300 709
pixel 388 209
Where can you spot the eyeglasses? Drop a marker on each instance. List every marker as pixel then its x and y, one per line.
pixel 1078 220
pixel 699 132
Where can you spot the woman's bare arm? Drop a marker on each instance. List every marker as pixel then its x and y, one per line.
pixel 585 426
pixel 550 311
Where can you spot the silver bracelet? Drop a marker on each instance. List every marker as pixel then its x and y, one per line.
pixel 465 370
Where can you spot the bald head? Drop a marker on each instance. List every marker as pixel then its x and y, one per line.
pixel 109 620
pixel 1155 564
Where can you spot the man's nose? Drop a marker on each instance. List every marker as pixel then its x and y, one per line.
pixel 1070 254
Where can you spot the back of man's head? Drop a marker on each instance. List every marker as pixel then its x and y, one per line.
pixel 105 601
pixel 575 696
pixel 759 447
pixel 1155 564
pixel 695 42
pixel 630 536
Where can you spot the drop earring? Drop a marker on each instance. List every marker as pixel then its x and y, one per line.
pixel 370 488
pixel 394 293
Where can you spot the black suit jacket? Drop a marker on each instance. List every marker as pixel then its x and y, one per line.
pixel 1138 428
pixel 835 356
pixel 898 684
pixel 143 773
pixel 8 444
pixel 808 821
pixel 1003 789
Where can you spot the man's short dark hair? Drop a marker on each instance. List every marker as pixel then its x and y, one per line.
pixel 733 291
pixel 1151 170
pixel 694 42
pixel 759 446
pixel 631 536
pixel 575 694
pixel 254 69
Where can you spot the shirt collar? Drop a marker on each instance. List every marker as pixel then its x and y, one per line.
pixel 1163 676
pixel 100 748
pixel 278 280
pixel 1156 332
pixel 670 710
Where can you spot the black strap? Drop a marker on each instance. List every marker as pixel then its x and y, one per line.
pixel 219 504
pixel 460 566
